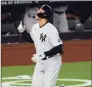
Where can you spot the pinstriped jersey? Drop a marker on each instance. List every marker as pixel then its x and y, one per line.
pixel 45 38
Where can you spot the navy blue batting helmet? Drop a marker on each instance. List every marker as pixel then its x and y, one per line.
pixel 47 12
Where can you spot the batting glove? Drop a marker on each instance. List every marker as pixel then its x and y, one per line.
pixel 21 28
pixel 38 57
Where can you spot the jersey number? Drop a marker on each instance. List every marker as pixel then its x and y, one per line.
pixel 43 37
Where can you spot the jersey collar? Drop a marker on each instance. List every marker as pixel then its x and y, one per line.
pixel 43 25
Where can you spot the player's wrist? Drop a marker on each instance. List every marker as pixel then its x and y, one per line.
pixel 38 57
pixel 42 56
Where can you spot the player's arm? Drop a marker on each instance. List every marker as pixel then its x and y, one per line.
pixel 24 33
pixel 55 50
pixel 57 44
pixel 48 54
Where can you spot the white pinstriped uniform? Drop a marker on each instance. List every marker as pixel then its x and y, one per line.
pixel 46 71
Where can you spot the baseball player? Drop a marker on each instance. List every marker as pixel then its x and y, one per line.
pixel 59 17
pixel 48 47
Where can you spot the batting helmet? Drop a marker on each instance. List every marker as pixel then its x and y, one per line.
pixel 47 12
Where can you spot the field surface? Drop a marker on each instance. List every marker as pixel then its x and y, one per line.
pixel 77 74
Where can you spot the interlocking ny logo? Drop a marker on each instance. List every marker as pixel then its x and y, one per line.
pixel 43 37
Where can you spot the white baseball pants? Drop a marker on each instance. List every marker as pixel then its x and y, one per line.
pixel 46 72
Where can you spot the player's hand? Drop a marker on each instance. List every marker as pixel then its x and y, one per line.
pixel 38 57
pixel 21 28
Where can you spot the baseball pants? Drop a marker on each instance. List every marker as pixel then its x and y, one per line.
pixel 46 72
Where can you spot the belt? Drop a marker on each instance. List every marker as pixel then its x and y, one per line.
pixel 47 57
pixel 58 12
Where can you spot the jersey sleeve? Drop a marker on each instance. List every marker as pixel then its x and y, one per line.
pixel 54 38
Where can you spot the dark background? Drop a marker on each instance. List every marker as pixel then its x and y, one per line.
pixel 12 13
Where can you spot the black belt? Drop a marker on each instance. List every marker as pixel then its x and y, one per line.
pixel 47 58
pixel 58 12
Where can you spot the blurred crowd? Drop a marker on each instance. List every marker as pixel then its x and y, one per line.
pixel 62 19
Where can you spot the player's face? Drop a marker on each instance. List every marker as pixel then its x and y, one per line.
pixel 39 11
